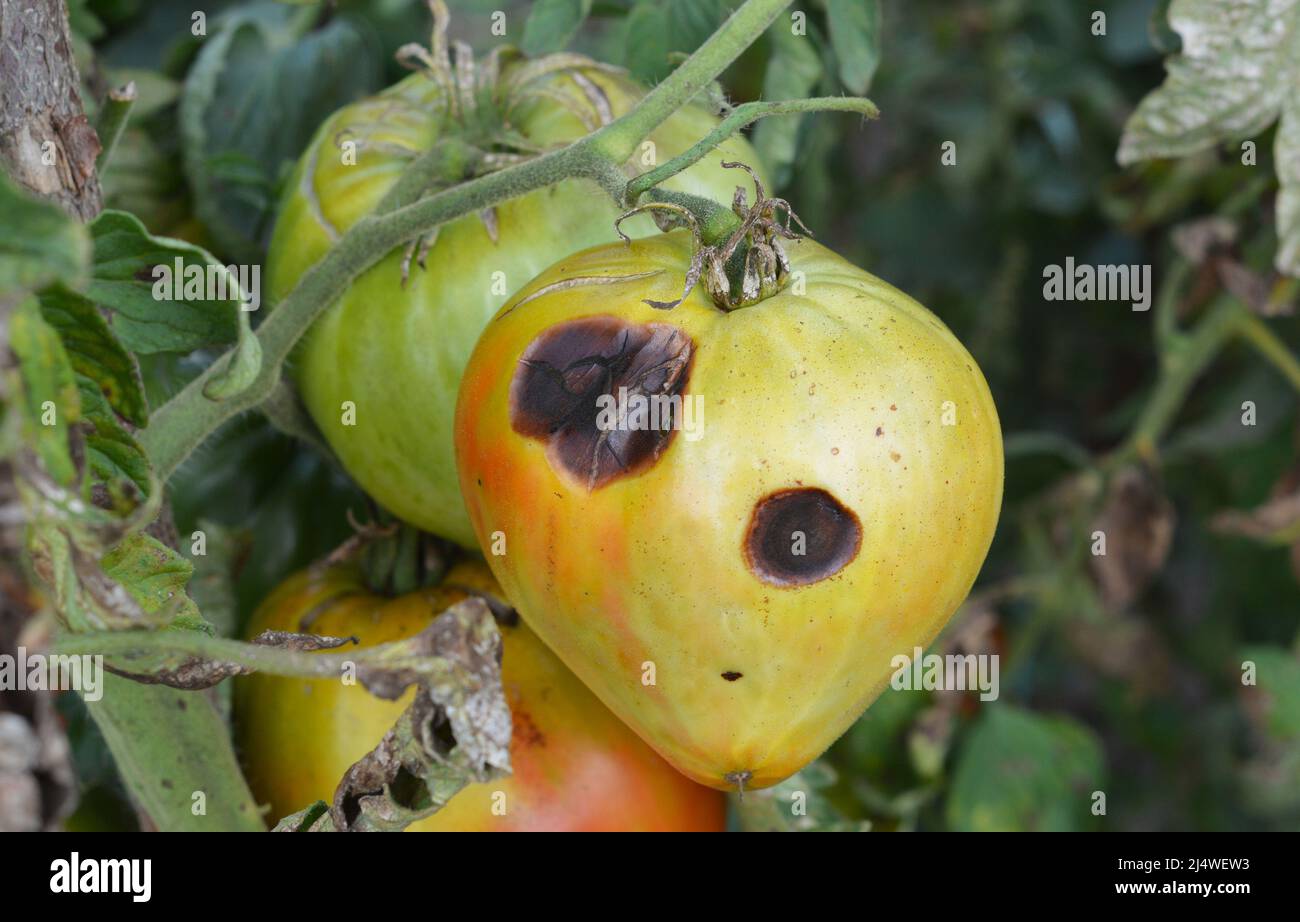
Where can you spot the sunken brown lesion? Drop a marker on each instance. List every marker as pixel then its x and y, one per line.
pixel 831 537
pixel 554 395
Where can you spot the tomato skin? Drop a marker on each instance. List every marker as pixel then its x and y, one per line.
pixel 842 388
pixel 394 354
pixel 575 766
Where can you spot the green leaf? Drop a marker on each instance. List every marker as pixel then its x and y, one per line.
pixel 647 43
pixel 1023 771
pixel 170 745
pixel 1237 73
pixel 112 453
pixel 793 70
pixel 252 100
pixel 241 369
pixel 94 351
pixel 798 804
pixel 38 243
pixel 552 24
pixel 130 264
pixel 657 28
pixel 49 388
pixel 155 576
pixel 854 27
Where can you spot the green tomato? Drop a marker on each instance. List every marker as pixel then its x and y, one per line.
pixel 379 371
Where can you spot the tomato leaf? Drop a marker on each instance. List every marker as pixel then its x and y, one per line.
pixel 95 352
pixel 49 388
pixel 1236 74
pixel 252 100
pixel 655 29
pixel 797 804
pixel 1024 771
pixel 854 27
pixel 792 72
pixel 552 24
pixel 131 266
pixel 155 576
pixel 38 243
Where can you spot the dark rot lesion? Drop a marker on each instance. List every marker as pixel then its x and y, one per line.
pixel 800 536
pixel 559 380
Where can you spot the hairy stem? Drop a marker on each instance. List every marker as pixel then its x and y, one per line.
pixel 741 117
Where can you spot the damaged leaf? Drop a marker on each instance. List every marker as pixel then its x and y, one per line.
pixel 1138 523
pixel 1236 74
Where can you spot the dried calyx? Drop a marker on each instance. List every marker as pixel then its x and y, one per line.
pixel 481 99
pixel 738 252
pixel 483 96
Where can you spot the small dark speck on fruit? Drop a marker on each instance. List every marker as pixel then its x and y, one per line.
pixel 732 676
pixel 893 406
pixel 835 451
pixel 894 455
pixel 879 431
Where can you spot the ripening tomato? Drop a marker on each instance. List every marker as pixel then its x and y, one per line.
pixel 728 523
pixel 379 371
pixel 576 766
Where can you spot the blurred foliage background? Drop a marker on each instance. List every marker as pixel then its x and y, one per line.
pixel 1120 675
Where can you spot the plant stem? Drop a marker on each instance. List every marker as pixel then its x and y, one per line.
pixel 741 117
pixel 112 120
pixel 1256 332
pixel 1182 363
pixel 181 425
pixel 140 651
pixel 618 140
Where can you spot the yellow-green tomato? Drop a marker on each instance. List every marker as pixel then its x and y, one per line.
pixel 379 371
pixel 576 767
pixel 734 580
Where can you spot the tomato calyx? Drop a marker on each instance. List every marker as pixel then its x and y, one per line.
pixel 737 254
pixel 481 97
pixel 396 559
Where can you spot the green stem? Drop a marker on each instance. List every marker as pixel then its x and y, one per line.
pixel 1182 363
pixel 1256 332
pixel 145 651
pixel 113 116
pixel 741 117
pixel 1021 444
pixel 618 140
pixel 181 425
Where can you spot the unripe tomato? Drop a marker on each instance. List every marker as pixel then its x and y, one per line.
pixel 379 371
pixel 576 766
pixel 733 584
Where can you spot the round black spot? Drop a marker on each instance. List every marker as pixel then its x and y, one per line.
pixel 732 676
pixel 797 537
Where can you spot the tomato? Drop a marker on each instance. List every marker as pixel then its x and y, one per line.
pixel 576 767
pixel 379 371
pixel 736 580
